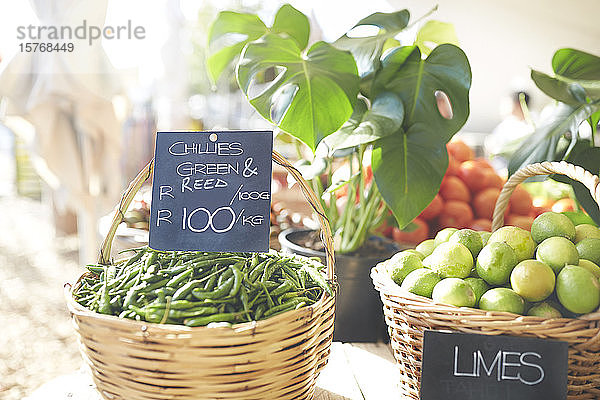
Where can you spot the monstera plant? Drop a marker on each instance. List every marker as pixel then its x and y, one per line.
pixel 367 104
pixel 576 88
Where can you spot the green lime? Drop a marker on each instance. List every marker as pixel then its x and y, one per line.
pixel 585 231
pixel 557 252
pixel 551 224
pixel 421 282
pixel 426 247
pixel 485 236
pixel 502 299
pixel 479 287
pixel 416 253
pixel 590 266
pixel 578 289
pixel 519 239
pixel 450 260
pixel 544 310
pixel 532 280
pixel 495 263
pixel 469 238
pixel 454 291
pixel 589 249
pixel 443 235
pixel 401 264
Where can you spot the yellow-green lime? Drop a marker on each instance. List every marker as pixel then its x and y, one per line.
pixel 590 266
pixel 469 238
pixel 450 260
pixel 443 235
pixel 426 247
pixel 589 249
pixel 485 236
pixel 585 231
pixel 495 263
pixel 401 264
pixel 551 224
pixel 544 310
pixel 557 252
pixel 577 289
pixel 479 287
pixel 421 282
pixel 454 291
pixel 502 299
pixel 519 239
pixel 532 280
pixel 415 252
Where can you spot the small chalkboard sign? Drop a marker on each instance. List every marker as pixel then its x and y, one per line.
pixel 475 367
pixel 211 191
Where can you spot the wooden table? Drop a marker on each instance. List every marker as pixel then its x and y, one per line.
pixel 357 371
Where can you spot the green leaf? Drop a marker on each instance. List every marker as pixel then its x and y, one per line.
pixel 542 144
pixel 588 158
pixel 408 170
pixel 367 50
pixel 567 90
pixel 434 33
pixel 249 26
pixel 292 22
pixel 383 119
pixel 310 170
pixel 576 64
pixel 416 80
pixel 314 93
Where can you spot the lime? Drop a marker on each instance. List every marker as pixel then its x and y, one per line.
pixel 415 252
pixel 479 287
pixel 485 236
pixel 454 291
pixel 557 252
pixel 532 280
pixel 578 289
pixel 585 231
pixel 544 310
pixel 519 239
pixel 590 266
pixel 469 238
pixel 450 260
pixel 421 282
pixel 443 235
pixel 426 247
pixel 589 249
pixel 551 224
pixel 401 264
pixel 502 299
pixel 495 263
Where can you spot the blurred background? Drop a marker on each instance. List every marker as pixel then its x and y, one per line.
pixel 76 127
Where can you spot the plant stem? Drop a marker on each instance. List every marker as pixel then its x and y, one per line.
pixel 364 224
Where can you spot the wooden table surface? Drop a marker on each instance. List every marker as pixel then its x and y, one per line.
pixel 355 371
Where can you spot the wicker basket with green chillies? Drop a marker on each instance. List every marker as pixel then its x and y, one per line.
pixel 204 325
pixel 199 288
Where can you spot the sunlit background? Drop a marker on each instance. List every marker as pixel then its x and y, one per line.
pixel 53 215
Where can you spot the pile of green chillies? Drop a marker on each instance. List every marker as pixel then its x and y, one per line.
pixel 198 288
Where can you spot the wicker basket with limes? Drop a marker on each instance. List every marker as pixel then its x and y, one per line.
pixel 543 283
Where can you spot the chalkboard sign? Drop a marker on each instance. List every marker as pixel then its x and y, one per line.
pixel 474 367
pixel 211 191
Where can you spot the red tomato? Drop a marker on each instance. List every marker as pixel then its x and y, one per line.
pixel 460 150
pixel 473 176
pixel 520 201
pixel 481 224
pixel 433 209
pixel 456 214
pixel 484 203
pixel 414 233
pixel 453 188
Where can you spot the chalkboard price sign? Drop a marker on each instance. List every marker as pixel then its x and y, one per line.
pixel 211 191
pixel 475 367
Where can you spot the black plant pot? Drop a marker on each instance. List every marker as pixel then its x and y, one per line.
pixel 358 308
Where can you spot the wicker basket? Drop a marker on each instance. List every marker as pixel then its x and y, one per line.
pixel 408 315
pixel 277 358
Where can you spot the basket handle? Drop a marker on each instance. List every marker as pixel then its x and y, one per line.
pixel 309 194
pixel 591 181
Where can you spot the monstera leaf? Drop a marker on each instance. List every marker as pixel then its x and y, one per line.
pixel 314 92
pixel 570 91
pixel 408 166
pixel 576 64
pixel 246 28
pixel 434 33
pixel 365 126
pixel 367 50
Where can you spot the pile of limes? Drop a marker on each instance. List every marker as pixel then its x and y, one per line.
pixel 549 272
